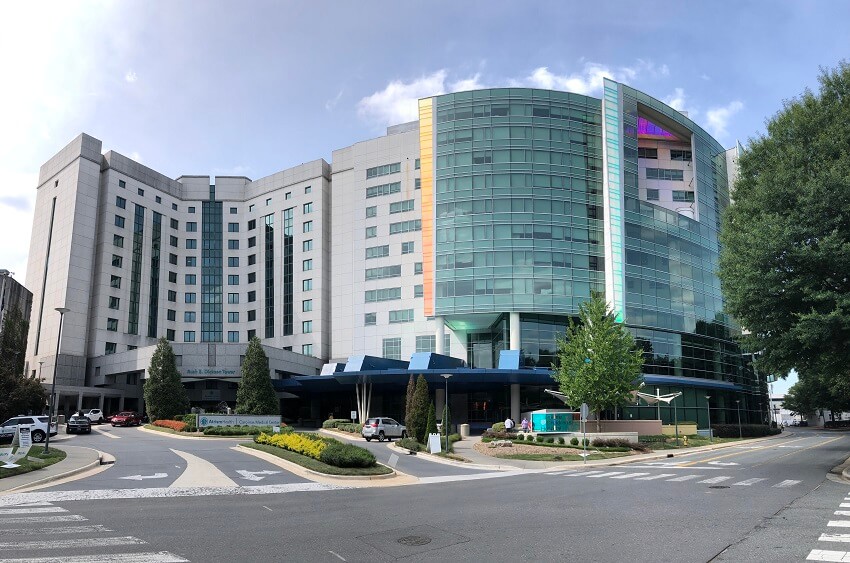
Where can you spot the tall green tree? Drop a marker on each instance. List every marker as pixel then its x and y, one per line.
pixel 13 343
pixel 419 413
pixel 814 392
pixel 408 405
pixel 599 362
pixel 431 425
pixel 18 393
pixel 256 393
pixel 785 240
pixel 165 396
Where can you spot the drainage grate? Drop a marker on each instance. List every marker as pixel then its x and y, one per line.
pixel 719 487
pixel 414 540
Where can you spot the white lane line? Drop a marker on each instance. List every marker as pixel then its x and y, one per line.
pixel 842 513
pixel 629 475
pixel 72 543
pixel 149 557
pixel 54 531
pixel 824 555
pixel 654 477
pixel 748 482
pixel 336 554
pixel 106 433
pixel 44 519
pixel 839 523
pixel 582 473
pixel 200 473
pixel 845 538
pixel 844 505
pixel 472 477
pixel 25 504
pixel 608 474
pixel 267 508
pixel 560 472
pixel 786 483
pixel 166 492
pixel 715 480
pixel 33 510
pixel 685 478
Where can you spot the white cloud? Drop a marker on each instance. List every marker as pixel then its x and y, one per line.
pixel 705 76
pixel 397 103
pixel 331 104
pixel 717 119
pixel 473 83
pixel 679 100
pixel 130 76
pixel 136 156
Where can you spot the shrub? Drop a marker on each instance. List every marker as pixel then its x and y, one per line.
pixel 498 427
pixel 294 442
pixel 550 440
pixel 190 419
pixel 489 433
pixel 410 444
pixel 574 441
pixel 539 438
pixel 585 442
pixel 352 427
pixel 530 438
pixel 239 430
pixel 651 438
pixel 747 430
pixel 454 438
pixel 335 422
pixel 561 440
pixel 619 444
pixel 346 455
pixel 177 425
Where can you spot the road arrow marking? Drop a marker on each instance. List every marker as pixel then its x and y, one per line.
pixel 723 463
pixel 140 477
pixel 255 475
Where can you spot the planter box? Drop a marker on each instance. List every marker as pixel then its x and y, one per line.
pixel 684 429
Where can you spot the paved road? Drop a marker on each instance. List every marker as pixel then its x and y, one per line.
pixel 777 506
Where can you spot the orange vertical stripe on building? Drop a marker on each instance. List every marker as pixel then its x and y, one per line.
pixel 426 164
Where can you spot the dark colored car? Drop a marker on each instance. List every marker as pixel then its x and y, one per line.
pixel 78 423
pixel 126 418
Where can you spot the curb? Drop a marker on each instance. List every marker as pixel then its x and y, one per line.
pixel 58 476
pixel 455 463
pixel 178 437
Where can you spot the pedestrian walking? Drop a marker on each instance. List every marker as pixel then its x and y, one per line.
pixel 524 425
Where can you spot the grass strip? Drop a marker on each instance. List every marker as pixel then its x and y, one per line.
pixel 26 465
pixel 316 465
pixel 692 443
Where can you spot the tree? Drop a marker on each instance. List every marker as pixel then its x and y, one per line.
pixel 599 361
pixel 408 405
pixel 419 413
pixel 256 393
pixel 431 425
pixel 785 255
pixel 812 393
pixel 13 343
pixel 165 396
pixel 18 393
pixel 446 423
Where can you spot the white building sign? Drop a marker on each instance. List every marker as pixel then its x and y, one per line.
pixel 205 420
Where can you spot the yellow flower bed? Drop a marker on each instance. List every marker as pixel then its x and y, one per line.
pixel 298 443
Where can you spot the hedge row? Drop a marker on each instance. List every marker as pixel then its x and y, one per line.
pixel 334 422
pixel 347 455
pixel 746 430
pixel 298 443
pixel 177 425
pixel 242 430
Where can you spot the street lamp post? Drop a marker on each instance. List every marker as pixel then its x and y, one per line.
pixel 658 404
pixel 708 411
pixel 61 311
pixel 738 406
pixel 446 376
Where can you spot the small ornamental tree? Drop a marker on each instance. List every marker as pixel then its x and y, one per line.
pixel 165 396
pixel 255 394
pixel 419 417
pixel 431 426
pixel 447 421
pixel 599 362
pixel 408 405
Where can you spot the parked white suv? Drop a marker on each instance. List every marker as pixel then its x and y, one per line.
pixel 95 416
pixel 382 429
pixel 37 425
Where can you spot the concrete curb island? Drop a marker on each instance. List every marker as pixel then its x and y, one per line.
pixel 78 460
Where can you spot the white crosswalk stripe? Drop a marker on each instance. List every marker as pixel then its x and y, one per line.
pixel 608 474
pixel 844 538
pixel 654 477
pixel 748 482
pixel 786 483
pixel 686 478
pixel 44 519
pixel 839 523
pixel 844 505
pixel 824 555
pixel 560 472
pixel 582 473
pixel 73 543
pixel 148 557
pixel 714 480
pixel 629 475
pixel 55 531
pixel 842 513
pixel 31 510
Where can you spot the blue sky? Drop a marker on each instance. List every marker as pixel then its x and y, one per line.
pixel 251 88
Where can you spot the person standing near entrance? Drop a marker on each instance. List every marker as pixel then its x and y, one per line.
pixel 509 425
pixel 524 425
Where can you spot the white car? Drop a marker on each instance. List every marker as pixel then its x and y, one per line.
pixel 36 424
pixel 383 428
pixel 95 416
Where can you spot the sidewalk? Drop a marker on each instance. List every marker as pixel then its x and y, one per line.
pixel 77 460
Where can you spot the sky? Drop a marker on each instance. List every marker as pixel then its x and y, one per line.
pixel 253 87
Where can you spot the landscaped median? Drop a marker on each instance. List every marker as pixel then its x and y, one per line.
pixel 35 459
pixel 320 454
pixel 186 427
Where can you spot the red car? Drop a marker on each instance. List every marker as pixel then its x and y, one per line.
pixel 126 418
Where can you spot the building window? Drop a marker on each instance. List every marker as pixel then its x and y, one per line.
pixel 188 336
pixel 392 348
pixel 252 296
pixel 386 294
pixel 191 279
pixel 250 207
pixel 401 316
pixel 268 201
pixel 417 184
pixel 370 319
pixel 175 224
pixel 169 334
pixel 232 279
pixel 683 196
pixel 118 240
pixel 252 224
pixel 191 243
pixel 122 184
pixel 120 202
pixel 307 327
pixel 233 336
pixel 252 242
pixel 191 210
pixel 307 285
pixel 158 199
pixel 172 277
pixel 252 259
pixel 307 265
pixel 232 298
pixel 119 221
pixel 189 316
pixel 190 298
pixel 174 208
pixel 371 232
pixel 652 195
pixel 288 195
pixel 110 348
pixel 141 192
pixel 252 333
pixel 233 317
pixel 646 152
pixel 401 206
pixel 115 281
pixel 252 277
pixel 117 260
pixel 416 164
pixel 383 170
pixel 406 226
pixel 371 211
pixel 172 259
pixel 680 155
pixel 112 325
pixel 308 189
pixel 252 315
pixel 232 261
pixel 408 247
pixel 172 295
pixel 664 174
pixel 418 290
pixel 191 261
pixel 172 240
pixel 307 207
pixel 114 303
pixel 417 268
pixel 382 272
pixel 171 315
pixel 233 227
pixel 233 244
pixel 308 227
pixel 377 251
pixel 383 189
pixel 233 211
pixel 428 344
pixel 307 245
pixel 191 227
pixel 307 305
pixel 307 349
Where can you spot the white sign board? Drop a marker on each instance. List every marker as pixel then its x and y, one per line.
pixel 435 445
pixel 353 416
pixel 206 420
pixel 5 455
pixel 585 410
pixel 24 442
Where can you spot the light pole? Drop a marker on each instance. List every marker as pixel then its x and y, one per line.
pixel 738 406
pixel 61 311
pixel 708 411
pixel 658 404
pixel 446 376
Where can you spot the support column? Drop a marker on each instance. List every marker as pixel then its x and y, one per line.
pixel 439 402
pixel 516 331
pixel 80 401
pixel 100 402
pixel 515 401
pixel 440 334
pixel 121 403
